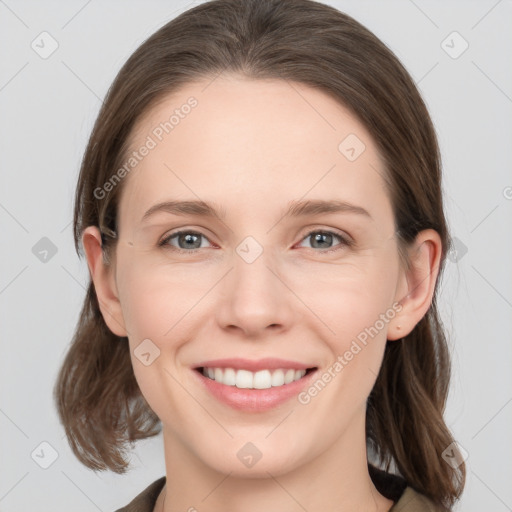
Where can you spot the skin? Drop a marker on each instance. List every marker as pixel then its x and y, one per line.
pixel 253 146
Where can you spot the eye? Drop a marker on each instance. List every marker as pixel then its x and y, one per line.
pixel 321 240
pixel 188 241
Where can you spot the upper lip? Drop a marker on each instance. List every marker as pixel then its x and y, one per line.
pixel 268 363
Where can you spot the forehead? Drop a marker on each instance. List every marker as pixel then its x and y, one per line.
pixel 251 142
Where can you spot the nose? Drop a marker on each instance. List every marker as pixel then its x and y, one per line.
pixel 256 301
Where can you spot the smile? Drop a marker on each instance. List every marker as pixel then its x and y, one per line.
pixel 245 379
pixel 253 386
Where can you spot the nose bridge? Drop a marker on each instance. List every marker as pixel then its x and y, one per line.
pixel 252 266
pixel 252 277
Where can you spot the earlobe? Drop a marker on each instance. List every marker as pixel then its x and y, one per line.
pixel 102 276
pixel 417 284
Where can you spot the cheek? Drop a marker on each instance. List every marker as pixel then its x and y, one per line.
pixel 359 318
pixel 155 297
pixel 356 306
pixel 347 298
pixel 155 312
pixel 161 307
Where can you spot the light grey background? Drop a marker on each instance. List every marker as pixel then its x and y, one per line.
pixel 48 107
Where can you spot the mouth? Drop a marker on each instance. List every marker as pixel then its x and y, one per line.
pixel 246 379
pixel 254 386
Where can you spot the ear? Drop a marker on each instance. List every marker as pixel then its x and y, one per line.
pixel 416 285
pixel 103 277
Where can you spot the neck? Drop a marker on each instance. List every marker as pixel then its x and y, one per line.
pixel 336 479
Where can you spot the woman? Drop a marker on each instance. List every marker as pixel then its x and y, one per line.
pixel 260 208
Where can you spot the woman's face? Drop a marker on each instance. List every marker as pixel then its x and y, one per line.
pixel 299 264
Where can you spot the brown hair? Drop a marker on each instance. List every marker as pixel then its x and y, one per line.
pixel 97 396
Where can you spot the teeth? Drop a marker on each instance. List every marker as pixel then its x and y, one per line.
pixel 229 377
pixel 245 379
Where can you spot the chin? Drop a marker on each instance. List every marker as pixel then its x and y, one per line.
pixel 249 461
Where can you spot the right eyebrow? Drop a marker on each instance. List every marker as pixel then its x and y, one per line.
pixel 186 208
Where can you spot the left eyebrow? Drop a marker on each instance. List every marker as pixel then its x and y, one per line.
pixel 318 207
pixel 295 208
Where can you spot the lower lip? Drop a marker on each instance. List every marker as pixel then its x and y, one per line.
pixel 255 400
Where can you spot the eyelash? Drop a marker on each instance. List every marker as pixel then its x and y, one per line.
pixel 344 241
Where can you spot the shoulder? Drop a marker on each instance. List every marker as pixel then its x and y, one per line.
pixel 145 501
pixel 409 501
pixel 413 501
pixel 395 488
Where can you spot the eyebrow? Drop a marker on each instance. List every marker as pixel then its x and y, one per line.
pixel 295 208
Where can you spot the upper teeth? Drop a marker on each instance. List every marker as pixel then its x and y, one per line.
pixel 262 379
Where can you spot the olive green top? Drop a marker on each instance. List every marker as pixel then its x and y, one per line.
pixel 406 500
